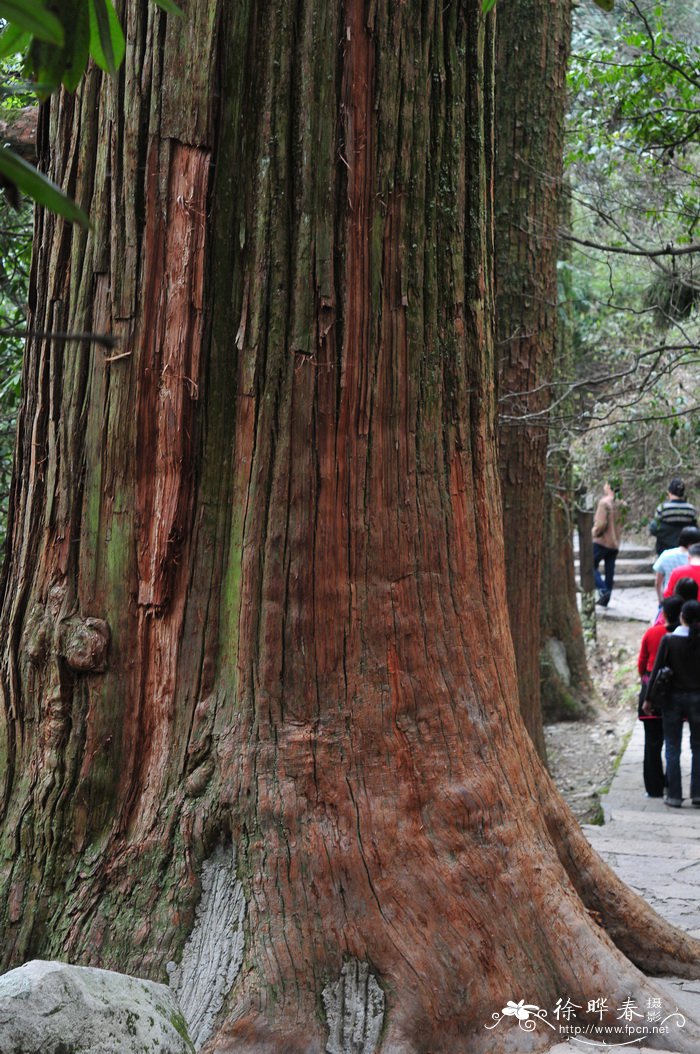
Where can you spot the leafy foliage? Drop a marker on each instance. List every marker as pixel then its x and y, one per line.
pixel 637 107
pixel 15 252
pixel 634 166
pixel 34 183
pixel 55 40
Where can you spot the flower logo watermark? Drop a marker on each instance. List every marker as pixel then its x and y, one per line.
pixel 521 1010
pixel 527 1015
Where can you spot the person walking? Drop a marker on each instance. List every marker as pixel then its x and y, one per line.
pixel 689 570
pixel 606 543
pixel 679 659
pixel 672 516
pixel 670 559
pixel 653 769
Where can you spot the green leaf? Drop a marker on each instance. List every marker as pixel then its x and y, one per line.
pixel 607 5
pixel 107 45
pixel 487 5
pixel 13 41
pixel 47 64
pixel 81 49
pixel 33 17
pixel 39 187
pixel 173 9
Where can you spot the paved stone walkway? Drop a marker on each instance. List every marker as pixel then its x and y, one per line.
pixel 656 850
pixel 637 604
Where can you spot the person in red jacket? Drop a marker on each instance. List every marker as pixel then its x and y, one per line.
pixel 674 685
pixel 653 769
pixel 689 570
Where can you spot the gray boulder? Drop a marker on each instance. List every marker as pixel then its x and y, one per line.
pixel 54 1008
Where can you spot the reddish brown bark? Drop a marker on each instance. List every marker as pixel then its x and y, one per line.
pixel 18 130
pixel 280 501
pixel 532 50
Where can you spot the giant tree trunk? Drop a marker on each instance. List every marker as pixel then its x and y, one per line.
pixel 532 51
pixel 257 661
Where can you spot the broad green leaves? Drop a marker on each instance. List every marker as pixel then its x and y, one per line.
pixel 488 5
pixel 83 29
pixel 55 41
pixel 33 17
pixel 107 45
pixel 36 185
pixel 14 41
pixel 172 9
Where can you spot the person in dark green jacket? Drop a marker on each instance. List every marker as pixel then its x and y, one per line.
pixel 672 516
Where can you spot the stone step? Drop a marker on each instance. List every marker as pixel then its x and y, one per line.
pixel 633 568
pixel 625 566
pixel 629 582
pixel 631 552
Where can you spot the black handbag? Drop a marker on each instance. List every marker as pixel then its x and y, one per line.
pixel 662 687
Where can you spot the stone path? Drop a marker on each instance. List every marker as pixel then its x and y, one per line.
pixel 656 850
pixel 639 605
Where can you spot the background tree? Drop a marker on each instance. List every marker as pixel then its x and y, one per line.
pixel 530 111
pixel 256 657
pixel 566 687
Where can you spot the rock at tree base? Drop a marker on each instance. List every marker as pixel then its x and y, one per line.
pixel 54 1008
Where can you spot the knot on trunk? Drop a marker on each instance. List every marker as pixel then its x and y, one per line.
pixel 37 637
pixel 197 781
pixel 83 643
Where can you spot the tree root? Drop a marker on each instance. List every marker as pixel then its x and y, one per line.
pixel 649 941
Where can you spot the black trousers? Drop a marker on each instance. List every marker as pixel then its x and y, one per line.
pixel 608 556
pixel 653 768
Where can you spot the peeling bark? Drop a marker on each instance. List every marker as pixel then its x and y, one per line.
pixel 18 130
pixel 279 498
pixel 213 954
pixel 354 1008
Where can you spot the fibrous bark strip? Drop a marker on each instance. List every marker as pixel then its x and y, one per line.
pixel 213 953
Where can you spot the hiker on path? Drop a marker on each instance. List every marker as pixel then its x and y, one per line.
pixel 653 769
pixel 680 701
pixel 670 559
pixel 686 589
pixel 689 570
pixel 672 516
pixel 606 543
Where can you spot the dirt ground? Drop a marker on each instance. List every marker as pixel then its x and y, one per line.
pixel 582 755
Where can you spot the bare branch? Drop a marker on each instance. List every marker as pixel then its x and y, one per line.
pixel 669 250
pixel 95 338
